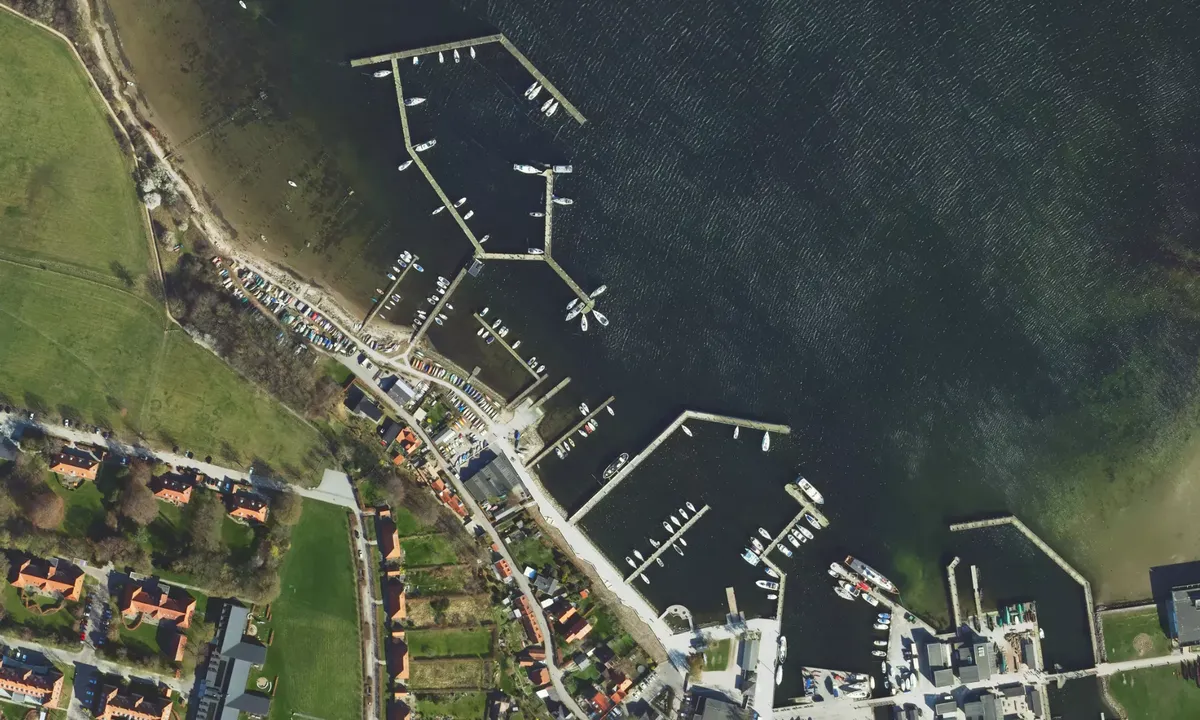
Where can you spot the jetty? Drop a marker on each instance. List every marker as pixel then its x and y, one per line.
pixel 1058 559
pixel 658 441
pixel 574 428
pixel 395 284
pixel 799 496
pixel 953 580
pixel 667 545
pixel 530 388
pixel 553 391
pixel 420 333
pixel 504 343
pixel 975 587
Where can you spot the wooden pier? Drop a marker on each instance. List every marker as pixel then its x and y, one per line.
pixel 799 496
pixel 553 391
pixel 667 545
pixel 537 75
pixel 783 535
pixel 1058 559
pixel 420 333
pixel 504 343
pixel 395 284
pixel 658 441
pixel 953 580
pixel 529 389
pixel 574 429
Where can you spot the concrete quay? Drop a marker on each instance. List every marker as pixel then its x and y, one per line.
pixel 530 388
pixel 658 441
pixel 667 545
pixel 975 587
pixel 575 428
pixel 444 47
pixel 953 580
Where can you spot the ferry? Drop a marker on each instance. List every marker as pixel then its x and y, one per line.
pixel 381 73
pixel 766 443
pixel 562 200
pixel 598 292
pixel 871 574
pixel 812 521
pixel 600 318
pixel 783 549
pixel 690 506
pixel 766 535
pixel 413 101
pixel 767 584
pixel 438 209
pixel 754 543
pixel 426 145
pixel 809 490
pixel 749 556
pixel 564 169
pixel 458 203
pixel 470 214
pixel 685 430
pixel 404 165
pixel 527 169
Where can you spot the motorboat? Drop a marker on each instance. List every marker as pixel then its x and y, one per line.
pixel 685 430
pixel 783 549
pixel 812 521
pixel 870 600
pixel 562 200
pixel 792 539
pixel 391 276
pixel 879 653
pixel 654 543
pixel 659 561
pixel 449 306
pixel 749 556
pixel 688 504
pixel 683 542
pixel 598 292
pixel 637 554
pixel 880 626
pixel 536 251
pixel 496 324
pixel 615 467
pixel 629 560
pixel 484 312
pixel 470 214
pixel 553 109
pixel 766 443
pixel 516 345
pixel 480 333
pixel 484 239
pixel 416 60
pixel 854 592
pixel 472 49
pixel 404 165
pixel 833 573
pixel 438 209
pixel 574 313
pixel 583 325
pixel 676 549
pixel 884 617
pixel 413 101
pixel 610 410
pixel 667 527
pixel 782 648
pixel 292 183
pixel 767 584
pixel 871 574
pixel 546 105
pixel 527 169
pixel 771 572
pixel 682 514
pixel 843 594
pixel 441 57
pixel 600 318
pixel 503 332
pixel 425 145
pixel 529 90
pixel 560 452
pixel 772 596
pixel 809 490
pixel 456 57
pixel 756 544
pixel 676 521
pixel 438 320
pixel 532 361
pixel 459 202
pixel 778 674
pixel 381 73
pixel 583 409
pixel 881 643
pixel 645 579
pixel 805 532
pixel 766 535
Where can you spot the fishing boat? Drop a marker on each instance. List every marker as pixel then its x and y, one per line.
pixel 637 554
pixel 667 527
pixel 629 560
pixel 404 165
pixel 809 490
pixel 438 209
pixel 767 584
pixel 766 535
pixel 685 430
pixel 676 549
pixel 583 325
pixel 749 556
pixel 413 101
pixel 811 520
pixel 754 543
pixel 456 58
pixel 645 579
pixel 426 145
pixel 600 318
pixel 689 505
pixel 381 73
pixel 871 574
pixel 546 105
pixel 766 443
pixel 598 292
pixel 783 549
pixel 615 466
pixel 562 200
pixel 879 653
pixel 676 521
pixel 804 532
pixel 458 203
pixel 470 214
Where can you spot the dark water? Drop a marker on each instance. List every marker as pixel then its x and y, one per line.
pixel 935 240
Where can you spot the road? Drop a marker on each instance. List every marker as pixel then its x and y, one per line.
pixel 371 652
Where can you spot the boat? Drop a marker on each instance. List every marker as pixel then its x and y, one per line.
pixel 871 574
pixel 574 313
pixel 537 89
pixel 598 292
pixel 418 268
pixel 615 466
pixel 484 312
pixel 472 49
pixel 854 592
pixel 683 542
pixel 391 276
pixel 804 532
pixel 879 653
pixel 783 549
pixel 771 572
pixel 536 251
pixel 767 584
pixel 812 521
pixel 573 303
pixel 766 535
pixel 416 60
pixel 458 203
pixel 880 626
pixel 381 73
pixel 600 318
pixel 778 674
pixel 438 320
pixel 833 573
pixel 667 527
pixel 736 428
pixel 881 643
pixel 610 410
pixel 583 323
pixel 562 200
pixel 756 544
pixel 480 333
pixel 629 560
pixel 449 306
pixel 690 506
pixel 871 600
pixel 676 549
pixel 583 409
pixel 560 452
pixel 659 561
pixel 766 443
pixel 426 145
pixel 413 101
pixel 490 339
pixel 782 648
pixel 686 431
pixel 772 596
pixel 292 183
pixel 571 443
pixel 843 594
pixel 503 332
pixel 564 169
pixel 792 539
pixel 749 556
pixel 537 214
pixel 516 345
pixel 637 554
pixel 645 579
pixel 546 105
pixel 809 490
pixel 676 521
pixel 654 543
pixel 438 209
pixel 884 617
pixel 470 214
pixel 496 324
pixel 553 109
pixel 484 239
pixel 682 514
pixel 456 58
pixel 529 90
pixel 404 165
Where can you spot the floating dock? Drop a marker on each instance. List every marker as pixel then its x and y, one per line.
pixel 395 284
pixel 574 429
pixel 954 603
pixel 667 545
pixel 658 441
pixel 1058 559
pixel 420 333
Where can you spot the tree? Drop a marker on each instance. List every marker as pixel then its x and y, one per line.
pixel 286 508
pixel 207 515
pixel 4 566
pixel 137 502
pixel 45 509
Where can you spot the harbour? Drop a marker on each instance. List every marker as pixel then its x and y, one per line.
pixel 667 544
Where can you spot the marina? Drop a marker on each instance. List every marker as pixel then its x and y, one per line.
pixel 376 307
pixel 571 431
pixel 666 545
pixel 662 437
pixel 487 326
pixel 553 391
pixel 420 333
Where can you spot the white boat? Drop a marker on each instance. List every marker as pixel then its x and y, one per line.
pixel 541 369
pixel 685 430
pixel 659 561
pixel 843 594
pixel 484 312
pixel 404 165
pixel 766 443
pixel 812 520
pixel 749 556
pixel 536 214
pixel 871 574
pixel 456 58
pixel 772 596
pixel 779 675
pixel 496 325
pixel 472 52
pixel 553 109
pixel 754 543
pixel 771 572
pixel 805 532
pixel 547 104
pixel 600 318
pixel 503 332
pixel 676 521
pixel 441 57
pixel 637 554
pixel 610 410
pixel 574 313
pixel 766 535
pixel 426 145
pixel 736 428
pixel 470 214
pixel 564 169
pixel 416 60
pixel 871 600
pixel 527 169
pixel 573 303
pixel 667 527
pixel 381 73
pixel 767 584
pixel 480 333
pixel 391 276
pixel 783 549
pixel 535 251
pixel 881 643
pixel 563 200
pixel 833 573
pixel 880 626
pixel 645 579
pixel 449 306
pixel 682 514
pixel 629 560
pixel 293 184
pixel 516 345
pixel 484 239
pixel 879 653
pixel 438 320
pixel 529 90
pixel 654 543
pixel 413 101
pixel 792 539
pixel 584 409
pixel 676 549
pixel 690 506
pixel 583 323
pixel 683 542
pixel 598 292
pixel 438 209
pixel 809 490
pixel 459 202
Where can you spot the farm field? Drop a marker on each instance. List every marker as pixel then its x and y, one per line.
pixel 315 652
pixel 476 642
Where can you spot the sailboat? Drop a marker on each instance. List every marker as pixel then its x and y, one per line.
pixel 413 101
pixel 381 73
pixel 472 52
pixel 685 430
pixel 456 57
pixel 735 431
pixel 766 443
pixel 441 57
pixel 583 323
pixel 600 318
pixel 598 292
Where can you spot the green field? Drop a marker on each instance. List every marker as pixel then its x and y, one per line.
pixel 716 657
pixel 1128 636
pixel 473 642
pixel 428 550
pixel 316 651
pixel 1156 694
pixel 532 552
pixel 465 706
pixel 79 335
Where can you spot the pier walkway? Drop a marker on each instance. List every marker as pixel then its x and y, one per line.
pixel 667 545
pixel 1058 559
pixel 658 441
pixel 530 388
pixel 420 333
pixel 553 391
pixel 504 343
pixel 395 284
pixel 975 587
pixel 799 496
pixel 953 580
pixel 574 429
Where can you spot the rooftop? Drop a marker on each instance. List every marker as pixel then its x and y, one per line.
pixel 495 480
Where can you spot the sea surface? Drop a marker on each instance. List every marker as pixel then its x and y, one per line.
pixel 949 245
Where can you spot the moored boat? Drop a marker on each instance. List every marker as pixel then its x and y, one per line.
pixel 756 544
pixel 685 430
pixel 425 145
pixel 805 532
pixel 749 556
pixel 600 318
pixel 676 521
pixel 871 574
pixel 783 549
pixel 766 535
pixel 766 443
pixel 616 465
pixel 381 73
pixel 413 101
pixel 404 165
pixel 811 520
pixel 527 169
pixel 879 653
pixel 689 505
pixel 809 490
pixel 637 554
pixel 771 572
pixel 767 584
pixel 629 560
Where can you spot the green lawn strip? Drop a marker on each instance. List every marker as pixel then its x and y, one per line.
pixel 465 705
pixel 1156 694
pixel 316 650
pixel 428 550
pixel 1130 635
pixel 142 639
pixel 467 642
pixel 716 657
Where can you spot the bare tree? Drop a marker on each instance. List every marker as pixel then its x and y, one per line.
pixel 45 509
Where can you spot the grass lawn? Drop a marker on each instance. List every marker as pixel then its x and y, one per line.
pixel 406 523
pixel 473 642
pixel 84 507
pixel 531 552
pixel 1156 694
pixel 19 615
pixel 428 550
pixel 1132 635
pixel 448 674
pixel 716 657
pixel 316 648
pixel 143 638
pixel 436 581
pixel 467 706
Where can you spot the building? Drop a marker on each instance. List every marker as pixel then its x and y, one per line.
pixel 395 601
pixel 1183 614
pixel 116 703
pixel 504 570
pixel 984 708
pixel 172 488
pixel 388 432
pixel 226 677
pixel 947 708
pixel 75 464
pixel 156 603
pixel 984 665
pixel 50 577
pixel 529 622
pixel 495 481
pixel 359 402
pixel 712 708
pixel 576 630
pixel 397 390
pixel 938 655
pixel 943 677
pixel 248 507
pixel 397 657
pixel 25 684
pixel 409 441
pixel 539 676
pixel 389 537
